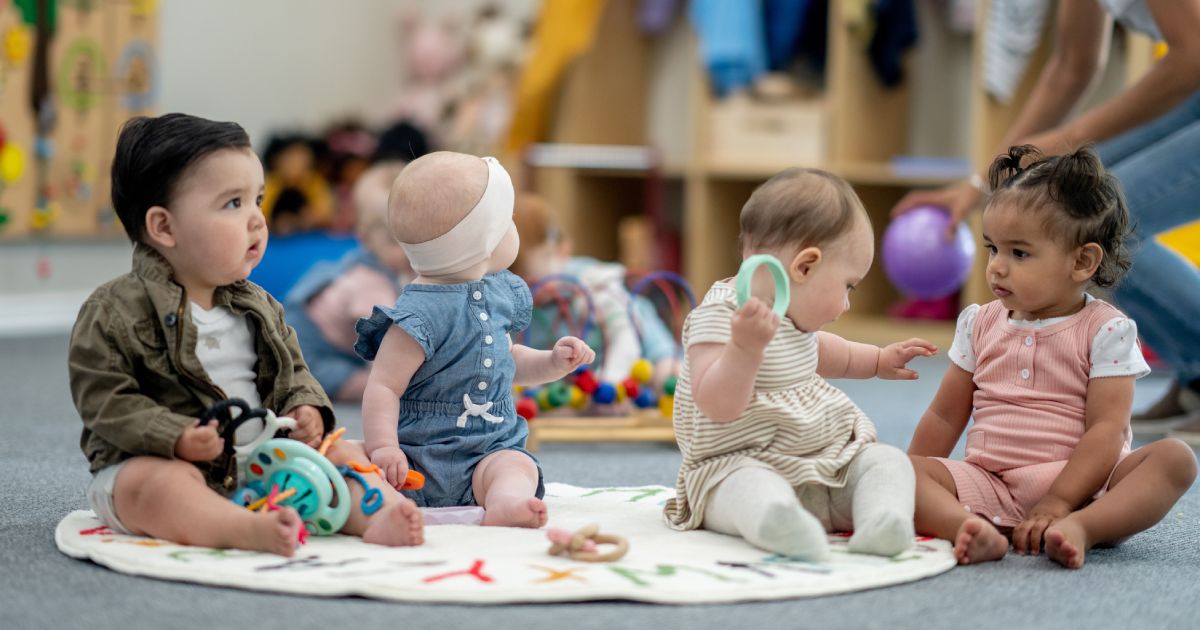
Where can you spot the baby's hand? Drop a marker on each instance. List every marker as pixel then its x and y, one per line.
pixel 310 427
pixel 754 325
pixel 199 443
pixel 893 358
pixel 394 464
pixel 570 353
pixel 1027 537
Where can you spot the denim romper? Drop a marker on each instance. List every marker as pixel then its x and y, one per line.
pixel 458 407
pixel 331 365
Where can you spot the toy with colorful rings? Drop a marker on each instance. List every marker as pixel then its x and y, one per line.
pixel 320 495
pixel 783 292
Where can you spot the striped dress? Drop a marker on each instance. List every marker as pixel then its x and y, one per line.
pixel 796 424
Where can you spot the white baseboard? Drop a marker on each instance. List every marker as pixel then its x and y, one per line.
pixel 42 313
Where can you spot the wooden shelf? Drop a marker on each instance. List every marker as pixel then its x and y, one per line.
pixel 866 173
pixel 640 426
pixel 882 330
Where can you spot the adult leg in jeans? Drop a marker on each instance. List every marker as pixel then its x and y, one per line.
pixel 1162 290
pixel 1145 182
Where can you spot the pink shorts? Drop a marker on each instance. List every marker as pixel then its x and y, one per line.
pixel 1005 498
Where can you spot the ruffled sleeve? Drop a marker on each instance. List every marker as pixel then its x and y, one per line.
pixel 522 300
pixel 372 329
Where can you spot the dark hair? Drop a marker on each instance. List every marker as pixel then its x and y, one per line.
pixel 401 141
pixel 152 156
pixel 1087 201
pixel 805 206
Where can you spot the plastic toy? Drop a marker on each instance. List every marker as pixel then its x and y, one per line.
pixel 745 275
pixel 918 258
pixel 583 545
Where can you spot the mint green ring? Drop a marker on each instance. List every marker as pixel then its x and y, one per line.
pixel 783 290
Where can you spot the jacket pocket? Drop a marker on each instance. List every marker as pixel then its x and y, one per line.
pixel 151 346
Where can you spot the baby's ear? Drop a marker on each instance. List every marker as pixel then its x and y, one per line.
pixel 1087 261
pixel 804 263
pixel 159 229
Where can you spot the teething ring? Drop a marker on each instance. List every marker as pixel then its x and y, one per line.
pixel 783 291
pixel 578 548
pixel 288 463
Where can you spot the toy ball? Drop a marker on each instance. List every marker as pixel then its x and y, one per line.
pixel 543 399
pixel 579 400
pixel 529 392
pixel 666 406
pixel 622 393
pixel 642 371
pixel 605 394
pixel 527 409
pixel 631 387
pixel 669 385
pixel 645 399
pixel 557 394
pixel 919 260
pixel 586 381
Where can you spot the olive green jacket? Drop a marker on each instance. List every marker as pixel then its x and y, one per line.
pixel 135 377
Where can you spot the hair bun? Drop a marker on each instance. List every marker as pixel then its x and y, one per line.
pixel 1012 164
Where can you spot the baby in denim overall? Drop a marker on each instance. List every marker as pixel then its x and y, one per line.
pixel 439 396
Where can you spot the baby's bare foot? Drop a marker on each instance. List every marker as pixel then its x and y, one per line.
pixel 400 524
pixel 519 513
pixel 1066 543
pixel 978 541
pixel 274 532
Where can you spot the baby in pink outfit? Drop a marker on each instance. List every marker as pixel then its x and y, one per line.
pixel 1047 371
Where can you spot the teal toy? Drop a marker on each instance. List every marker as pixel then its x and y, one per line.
pixel 783 291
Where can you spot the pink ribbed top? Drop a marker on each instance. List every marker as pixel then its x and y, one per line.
pixel 1032 387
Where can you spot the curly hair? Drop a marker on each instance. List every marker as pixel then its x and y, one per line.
pixel 1085 202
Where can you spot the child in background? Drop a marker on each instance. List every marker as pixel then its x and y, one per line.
pixel 153 349
pixel 331 296
pixel 771 451
pixel 439 397
pixel 1048 373
pixel 546 250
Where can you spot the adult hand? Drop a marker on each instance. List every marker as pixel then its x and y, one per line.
pixel 959 199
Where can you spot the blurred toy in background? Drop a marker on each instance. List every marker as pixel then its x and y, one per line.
pixel 350 147
pixel 496 49
pixel 637 353
pixel 290 163
pixel 433 53
pixel 325 303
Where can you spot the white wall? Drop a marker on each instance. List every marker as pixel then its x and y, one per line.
pixel 271 64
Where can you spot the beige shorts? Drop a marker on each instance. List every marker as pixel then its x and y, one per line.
pixel 100 497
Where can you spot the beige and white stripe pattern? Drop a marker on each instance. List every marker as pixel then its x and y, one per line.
pixel 796 424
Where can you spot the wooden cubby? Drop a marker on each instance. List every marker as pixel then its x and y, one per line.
pixel 865 126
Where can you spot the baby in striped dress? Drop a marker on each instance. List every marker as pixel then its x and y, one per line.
pixel 771 451
pixel 1047 372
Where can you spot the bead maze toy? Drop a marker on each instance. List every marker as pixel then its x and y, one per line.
pixel 567 410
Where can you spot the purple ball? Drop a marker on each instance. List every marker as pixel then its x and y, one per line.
pixel 918 258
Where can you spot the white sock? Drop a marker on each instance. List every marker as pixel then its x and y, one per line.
pixel 884 489
pixel 761 507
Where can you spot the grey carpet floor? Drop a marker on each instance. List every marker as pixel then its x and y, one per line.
pixel 1152 581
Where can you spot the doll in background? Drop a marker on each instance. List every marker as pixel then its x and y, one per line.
pixel 547 251
pixel 291 163
pixel 439 396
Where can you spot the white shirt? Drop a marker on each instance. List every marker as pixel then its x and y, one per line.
pixel 225 347
pixel 1115 350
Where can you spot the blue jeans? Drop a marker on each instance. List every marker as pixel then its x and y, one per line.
pixel 1159 166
